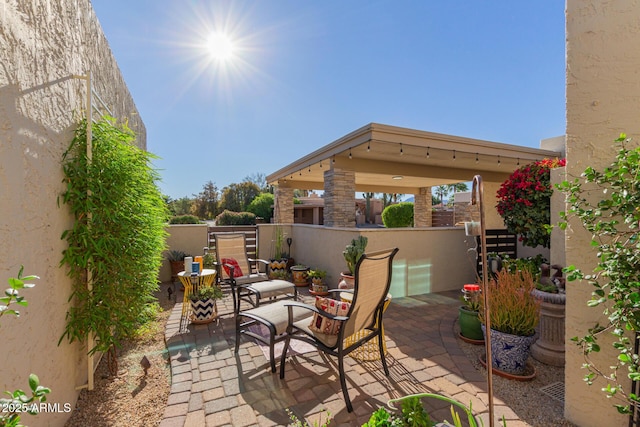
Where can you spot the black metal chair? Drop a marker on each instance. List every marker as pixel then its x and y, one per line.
pixel 248 284
pixel 364 316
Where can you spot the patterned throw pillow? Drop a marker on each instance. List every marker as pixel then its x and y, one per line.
pixel 323 325
pixel 237 271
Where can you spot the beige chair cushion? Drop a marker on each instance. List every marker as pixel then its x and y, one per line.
pixel 272 288
pixel 277 314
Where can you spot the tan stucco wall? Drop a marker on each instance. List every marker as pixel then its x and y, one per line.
pixel 188 238
pixel 603 99
pixel 429 260
pixel 43 43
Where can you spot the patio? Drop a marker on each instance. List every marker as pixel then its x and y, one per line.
pixel 210 389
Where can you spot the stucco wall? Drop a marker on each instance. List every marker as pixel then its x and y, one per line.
pixel 603 99
pixel 429 260
pixel 42 44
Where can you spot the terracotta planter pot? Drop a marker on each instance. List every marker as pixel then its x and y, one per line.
pixel 347 282
pixel 300 276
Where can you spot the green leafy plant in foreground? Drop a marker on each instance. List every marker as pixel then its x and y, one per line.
pixel 18 401
pixel 116 242
pixel 607 204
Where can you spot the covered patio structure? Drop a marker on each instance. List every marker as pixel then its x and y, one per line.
pixel 388 159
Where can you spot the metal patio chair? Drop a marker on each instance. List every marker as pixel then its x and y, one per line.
pixel 243 274
pixel 363 316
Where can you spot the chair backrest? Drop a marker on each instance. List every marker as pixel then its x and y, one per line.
pixel 372 282
pixel 232 245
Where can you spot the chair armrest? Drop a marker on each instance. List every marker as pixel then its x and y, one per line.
pixel 348 291
pixel 255 262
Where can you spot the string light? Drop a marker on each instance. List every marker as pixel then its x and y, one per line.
pixel 350 154
pixel 428 152
pixel 476 157
pixel 368 146
pixel 518 162
pixel 309 169
pixel 333 159
pixel 498 160
pixel 401 151
pixel 454 155
pixel 320 164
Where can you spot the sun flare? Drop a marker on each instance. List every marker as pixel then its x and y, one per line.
pixel 220 46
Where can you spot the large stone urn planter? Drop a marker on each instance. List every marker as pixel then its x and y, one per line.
pixel 549 348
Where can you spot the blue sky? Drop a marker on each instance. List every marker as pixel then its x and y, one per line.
pixel 307 72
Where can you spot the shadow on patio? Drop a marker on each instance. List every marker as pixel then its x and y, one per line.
pixel 212 386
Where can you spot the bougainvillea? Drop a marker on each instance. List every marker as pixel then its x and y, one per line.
pixel 524 201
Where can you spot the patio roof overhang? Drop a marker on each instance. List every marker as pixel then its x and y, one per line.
pixel 390 159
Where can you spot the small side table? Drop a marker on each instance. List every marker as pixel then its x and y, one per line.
pixel 370 350
pixel 192 284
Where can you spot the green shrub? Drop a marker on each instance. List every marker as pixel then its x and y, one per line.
pixel 236 218
pixel 184 219
pixel 262 206
pixel 398 215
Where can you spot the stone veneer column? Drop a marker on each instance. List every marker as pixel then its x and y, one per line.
pixel 422 208
pixel 340 198
pixel 283 206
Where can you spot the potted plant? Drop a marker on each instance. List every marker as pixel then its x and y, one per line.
pixel 470 329
pixel 203 304
pixel 281 259
pixel 352 254
pixel 318 287
pixel 176 260
pixel 299 274
pixel 514 313
pixel 279 274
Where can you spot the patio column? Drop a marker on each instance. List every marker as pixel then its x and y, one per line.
pixel 422 208
pixel 339 198
pixel 283 209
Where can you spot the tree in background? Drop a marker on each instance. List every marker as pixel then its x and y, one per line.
pixel 444 190
pixel 205 205
pixel 262 206
pixel 181 206
pixel 236 197
pixel 259 179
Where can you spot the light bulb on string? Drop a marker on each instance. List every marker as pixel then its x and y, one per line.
pixel 368 146
pixel 401 151
pixel 499 161
pixel 428 148
pixel 350 154
pixel 476 157
pixel 454 155
pixel 518 164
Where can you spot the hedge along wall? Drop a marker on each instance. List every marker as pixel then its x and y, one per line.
pixel 42 44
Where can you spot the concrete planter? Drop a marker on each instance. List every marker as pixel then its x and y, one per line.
pixel 549 348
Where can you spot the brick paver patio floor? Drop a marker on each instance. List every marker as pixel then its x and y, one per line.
pixel 213 386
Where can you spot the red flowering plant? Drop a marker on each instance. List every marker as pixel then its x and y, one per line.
pixel 524 202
